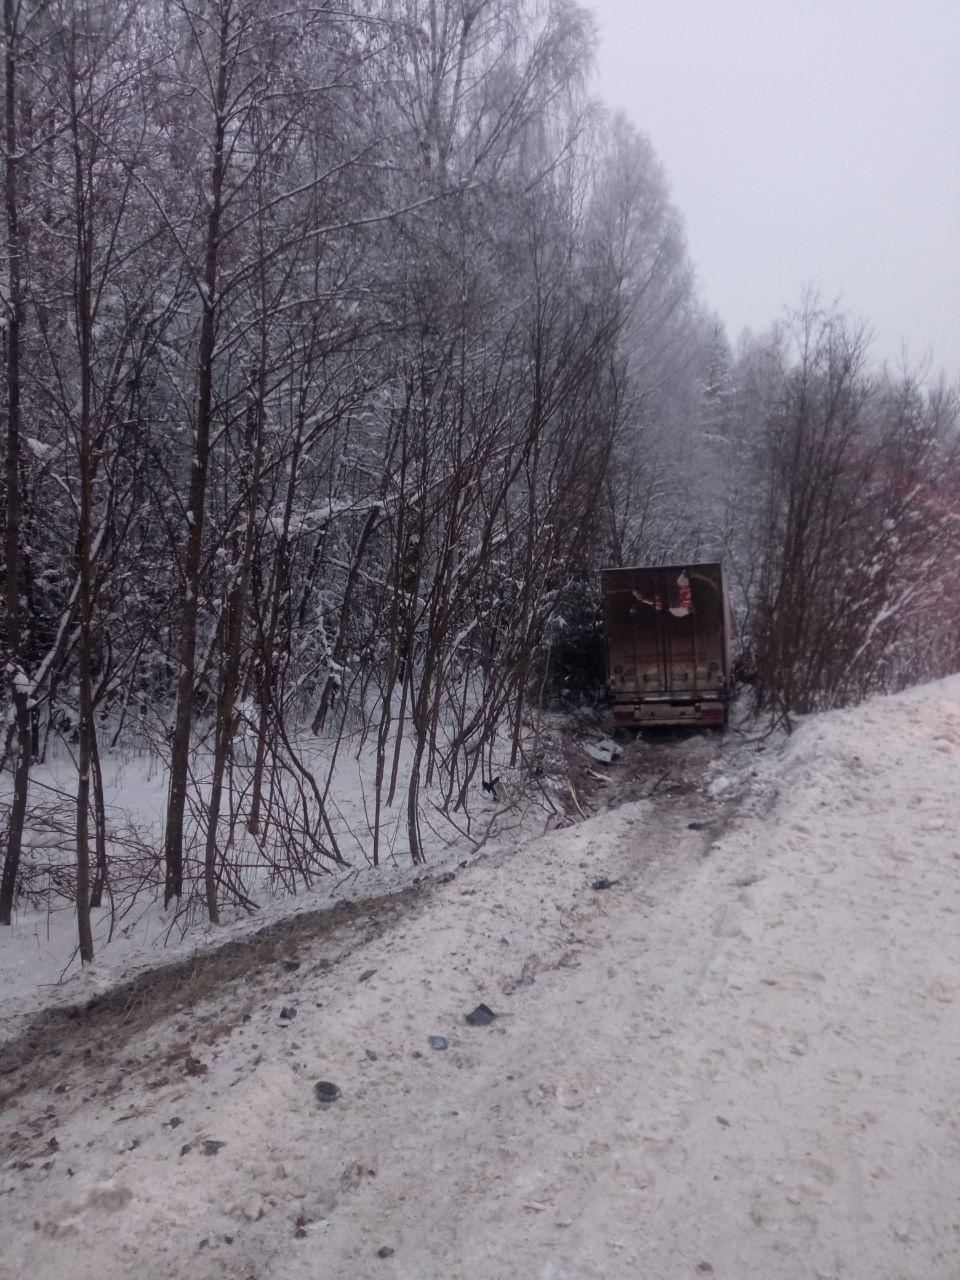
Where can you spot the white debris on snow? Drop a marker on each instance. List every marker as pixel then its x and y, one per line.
pixel 719 785
pixel 738 1062
pixel 604 752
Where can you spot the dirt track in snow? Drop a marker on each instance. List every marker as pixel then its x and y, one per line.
pixel 88 1034
pixel 107 1133
pixel 61 1040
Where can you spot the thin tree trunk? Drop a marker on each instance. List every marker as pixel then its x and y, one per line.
pixel 15 675
pixel 87 729
pixel 340 644
pixel 183 718
pixel 99 827
pixel 232 644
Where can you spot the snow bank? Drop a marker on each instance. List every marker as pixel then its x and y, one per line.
pixel 737 1061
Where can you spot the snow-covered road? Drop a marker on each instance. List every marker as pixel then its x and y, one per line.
pixel 739 1061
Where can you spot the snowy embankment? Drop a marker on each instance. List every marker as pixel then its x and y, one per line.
pixel 39 955
pixel 738 1060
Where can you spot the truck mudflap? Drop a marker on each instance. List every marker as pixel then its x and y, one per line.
pixel 702 714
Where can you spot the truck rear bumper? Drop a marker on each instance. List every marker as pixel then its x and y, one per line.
pixel 707 714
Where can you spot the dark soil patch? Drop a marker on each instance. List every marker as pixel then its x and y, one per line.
pixel 56 1042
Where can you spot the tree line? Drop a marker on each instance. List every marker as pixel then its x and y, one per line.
pixel 313 369
pixel 342 345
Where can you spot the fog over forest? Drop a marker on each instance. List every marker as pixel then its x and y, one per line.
pixel 813 142
pixel 343 346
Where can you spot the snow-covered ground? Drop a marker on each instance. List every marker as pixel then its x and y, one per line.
pixel 39 954
pixel 738 1060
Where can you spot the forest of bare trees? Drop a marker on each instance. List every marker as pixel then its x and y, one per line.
pixel 845 527
pixel 342 345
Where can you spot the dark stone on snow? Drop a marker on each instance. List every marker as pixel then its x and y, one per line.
pixel 366 975
pixel 603 883
pixel 384 1251
pixel 288 1011
pixel 697 826
pixel 186 1149
pixel 290 965
pixel 437 1042
pixel 481 1016
pixel 174 1122
pixel 326 1091
pixel 211 1146
pixel 371 1056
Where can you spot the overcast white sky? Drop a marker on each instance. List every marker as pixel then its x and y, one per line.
pixel 807 142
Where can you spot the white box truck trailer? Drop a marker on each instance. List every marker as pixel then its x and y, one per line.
pixel 667 638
